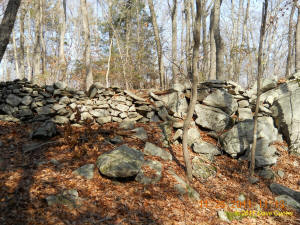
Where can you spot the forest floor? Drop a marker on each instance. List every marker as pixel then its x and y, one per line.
pixel 25 182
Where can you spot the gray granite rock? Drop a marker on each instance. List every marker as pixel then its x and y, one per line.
pixel 206 148
pixel 86 171
pixel 45 130
pixel 120 162
pixel 151 149
pixel 156 169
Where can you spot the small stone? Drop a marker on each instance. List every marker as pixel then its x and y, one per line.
pixel 253 180
pixel 127 125
pixel 178 124
pixel 117 140
pixel 151 149
pixel 60 85
pixel 156 167
pixel 242 198
pixel 267 174
pixel 178 134
pixel 140 133
pixel 27 100
pixel 223 216
pixel 86 171
pixel 280 173
pixel 206 148
pixel 64 100
pixel 45 130
pixel 13 100
pixel 103 120
pixel 54 161
pixel 60 119
pixel 86 116
pixel 25 113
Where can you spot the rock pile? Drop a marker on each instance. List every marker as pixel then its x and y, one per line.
pixel 223 108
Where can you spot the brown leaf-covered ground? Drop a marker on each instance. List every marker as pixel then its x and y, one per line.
pixel 25 182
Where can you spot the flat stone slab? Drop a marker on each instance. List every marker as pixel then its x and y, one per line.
pixel 151 149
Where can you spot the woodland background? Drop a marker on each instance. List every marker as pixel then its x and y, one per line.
pixel 140 44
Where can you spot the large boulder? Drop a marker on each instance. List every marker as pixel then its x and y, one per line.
pixel 265 85
pixel 286 112
pixel 279 189
pixel 121 162
pixel 239 139
pixel 222 100
pixel 176 102
pixel 212 118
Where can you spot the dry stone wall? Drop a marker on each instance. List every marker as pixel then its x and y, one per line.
pixel 223 108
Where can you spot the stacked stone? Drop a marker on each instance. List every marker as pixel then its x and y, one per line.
pixel 22 100
pixel 221 106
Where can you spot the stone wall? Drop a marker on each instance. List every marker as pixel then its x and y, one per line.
pixel 221 106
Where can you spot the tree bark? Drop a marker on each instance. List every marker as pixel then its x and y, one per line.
pixel 43 43
pixel 158 44
pixel 16 57
pixel 28 53
pixel 22 40
pixel 108 64
pixel 61 51
pixel 259 75
pixel 174 41
pixel 204 38
pixel 37 45
pixel 290 44
pixel 87 48
pixel 219 42
pixel 297 42
pixel 191 108
pixel 187 11
pixel 212 43
pixel 7 24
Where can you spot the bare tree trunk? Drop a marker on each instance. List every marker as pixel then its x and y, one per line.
pixel 43 44
pixel 187 11
pixel 212 67
pixel 259 75
pixel 219 42
pixel 204 39
pixel 37 45
pixel 16 56
pixel 297 42
pixel 28 53
pixel 22 41
pixel 158 44
pixel 191 108
pixel 174 41
pixel 108 64
pixel 7 24
pixel 290 40
pixel 128 31
pixel 87 49
pixel 181 41
pixel 61 51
